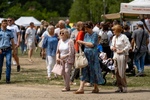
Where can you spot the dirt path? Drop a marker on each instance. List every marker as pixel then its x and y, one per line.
pixel 53 92
pixel 15 92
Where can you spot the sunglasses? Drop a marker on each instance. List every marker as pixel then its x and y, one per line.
pixel 9 20
pixel 61 33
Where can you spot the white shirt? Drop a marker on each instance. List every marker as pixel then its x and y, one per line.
pixel 45 33
pixel 121 43
pixel 31 34
pixel 15 30
pixel 96 29
pixel 57 31
pixel 64 47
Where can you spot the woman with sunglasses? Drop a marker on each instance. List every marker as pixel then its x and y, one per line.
pixel 91 73
pixel 66 54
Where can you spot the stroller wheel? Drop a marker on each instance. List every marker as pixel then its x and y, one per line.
pixel 104 81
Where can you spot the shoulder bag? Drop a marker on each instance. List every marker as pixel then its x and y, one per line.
pixel 80 59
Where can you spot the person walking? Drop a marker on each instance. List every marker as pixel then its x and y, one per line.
pixel 80 36
pixel 30 40
pixel 92 72
pixel 140 38
pixel 6 47
pixel 50 45
pixel 66 53
pixel 14 28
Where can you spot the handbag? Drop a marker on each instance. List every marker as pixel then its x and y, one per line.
pixel 58 68
pixel 80 59
pixel 41 43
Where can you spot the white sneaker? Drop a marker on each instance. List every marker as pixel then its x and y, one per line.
pixel 14 62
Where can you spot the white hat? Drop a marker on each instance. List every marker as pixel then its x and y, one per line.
pixel 139 23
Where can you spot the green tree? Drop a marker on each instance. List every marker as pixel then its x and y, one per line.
pixel 14 12
pixel 86 10
pixel 79 11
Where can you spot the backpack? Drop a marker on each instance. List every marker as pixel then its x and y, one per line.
pixel 104 39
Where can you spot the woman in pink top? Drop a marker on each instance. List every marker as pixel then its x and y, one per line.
pixel 66 53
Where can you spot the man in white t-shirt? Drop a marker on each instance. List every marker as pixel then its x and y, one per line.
pixel 30 40
pixel 16 33
pixel 96 28
pixel 61 25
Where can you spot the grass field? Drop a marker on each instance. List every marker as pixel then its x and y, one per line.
pixel 35 73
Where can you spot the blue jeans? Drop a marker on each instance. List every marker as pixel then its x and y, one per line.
pixel 23 46
pixel 8 55
pixel 139 62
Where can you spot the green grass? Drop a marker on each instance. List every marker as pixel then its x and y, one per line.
pixel 32 76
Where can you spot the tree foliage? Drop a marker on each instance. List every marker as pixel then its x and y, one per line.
pixel 93 9
pixel 76 10
pixel 41 9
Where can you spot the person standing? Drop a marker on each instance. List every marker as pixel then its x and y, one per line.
pixel 50 45
pixel 6 47
pixel 30 40
pixel 80 36
pixel 105 39
pixel 120 46
pixel 92 72
pixel 66 53
pixel 140 38
pixel 14 28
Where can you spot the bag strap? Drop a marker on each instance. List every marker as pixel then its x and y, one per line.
pixel 80 50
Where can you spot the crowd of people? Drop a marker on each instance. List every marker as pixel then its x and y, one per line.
pixel 60 42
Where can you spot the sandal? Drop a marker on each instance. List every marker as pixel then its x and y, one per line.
pixel 64 90
pixel 78 92
pixel 95 91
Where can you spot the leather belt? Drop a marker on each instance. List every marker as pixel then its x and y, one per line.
pixel 6 49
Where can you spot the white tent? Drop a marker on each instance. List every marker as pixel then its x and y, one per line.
pixel 25 21
pixel 136 7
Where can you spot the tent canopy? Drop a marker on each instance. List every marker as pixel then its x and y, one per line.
pixel 25 21
pixel 136 7
pixel 111 16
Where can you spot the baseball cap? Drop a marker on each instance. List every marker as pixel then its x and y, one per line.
pixel 139 23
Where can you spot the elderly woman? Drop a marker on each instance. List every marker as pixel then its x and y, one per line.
pixel 91 73
pixel 50 44
pixel 65 53
pixel 120 46
pixel 80 36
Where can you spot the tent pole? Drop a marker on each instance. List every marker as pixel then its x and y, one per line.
pixel 121 16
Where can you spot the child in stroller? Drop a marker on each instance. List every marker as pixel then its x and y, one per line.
pixel 106 65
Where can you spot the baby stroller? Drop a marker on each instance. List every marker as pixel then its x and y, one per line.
pixel 106 65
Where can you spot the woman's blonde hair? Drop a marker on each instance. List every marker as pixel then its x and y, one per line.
pixel 66 33
pixel 118 28
pixel 49 28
